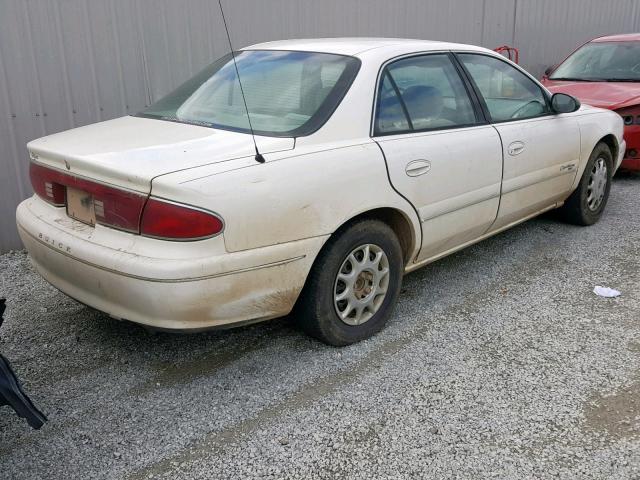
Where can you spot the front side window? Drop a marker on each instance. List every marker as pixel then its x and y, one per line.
pixel 602 61
pixel 287 93
pixel 508 93
pixel 422 93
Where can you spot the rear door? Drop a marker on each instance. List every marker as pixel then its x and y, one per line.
pixel 441 153
pixel 541 149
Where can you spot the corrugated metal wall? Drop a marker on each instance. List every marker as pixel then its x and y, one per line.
pixel 66 63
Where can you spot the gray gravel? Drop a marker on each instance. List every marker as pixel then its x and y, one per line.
pixel 498 363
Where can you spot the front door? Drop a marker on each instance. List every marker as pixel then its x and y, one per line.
pixel 541 150
pixel 441 154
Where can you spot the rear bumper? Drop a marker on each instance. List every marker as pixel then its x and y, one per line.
pixel 167 285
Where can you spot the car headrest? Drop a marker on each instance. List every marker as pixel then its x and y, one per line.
pixel 423 101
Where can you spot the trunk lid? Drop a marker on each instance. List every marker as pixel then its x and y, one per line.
pixel 128 152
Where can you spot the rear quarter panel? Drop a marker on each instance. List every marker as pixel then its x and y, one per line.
pixel 306 193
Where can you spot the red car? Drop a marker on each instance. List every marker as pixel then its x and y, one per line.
pixel 605 73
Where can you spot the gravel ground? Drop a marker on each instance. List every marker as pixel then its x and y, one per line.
pixel 499 362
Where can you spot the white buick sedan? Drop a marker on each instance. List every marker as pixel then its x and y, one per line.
pixel 376 157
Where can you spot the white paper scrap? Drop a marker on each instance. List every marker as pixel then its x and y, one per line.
pixel 606 292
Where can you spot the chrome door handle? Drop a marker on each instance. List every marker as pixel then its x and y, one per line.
pixel 516 148
pixel 416 168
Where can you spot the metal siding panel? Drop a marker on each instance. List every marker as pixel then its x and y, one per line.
pixel 24 121
pixel 84 104
pixel 47 82
pixel 12 188
pixel 64 73
pixel 457 20
pixel 104 60
pixel 498 23
pixel 208 39
pixel 151 18
pixel 128 61
pixel 178 30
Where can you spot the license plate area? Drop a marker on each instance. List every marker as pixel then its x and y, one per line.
pixel 80 206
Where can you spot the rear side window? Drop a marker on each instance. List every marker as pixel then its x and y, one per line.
pixel 422 93
pixel 508 93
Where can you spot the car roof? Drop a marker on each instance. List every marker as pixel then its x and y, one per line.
pixel 356 45
pixel 623 37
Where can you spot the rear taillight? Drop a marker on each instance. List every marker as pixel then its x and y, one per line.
pixel 44 185
pixel 172 221
pixel 117 208
pixel 123 209
pixel 114 207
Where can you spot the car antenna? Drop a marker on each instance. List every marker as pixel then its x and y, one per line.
pixel 259 158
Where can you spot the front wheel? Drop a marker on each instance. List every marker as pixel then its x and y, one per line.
pixel 354 284
pixel 587 202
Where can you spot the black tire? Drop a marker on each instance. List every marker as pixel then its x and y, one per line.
pixel 316 311
pixel 577 209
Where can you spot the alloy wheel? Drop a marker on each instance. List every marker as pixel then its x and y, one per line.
pixel 361 284
pixel 597 186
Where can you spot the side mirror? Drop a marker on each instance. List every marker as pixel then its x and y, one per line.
pixel 563 103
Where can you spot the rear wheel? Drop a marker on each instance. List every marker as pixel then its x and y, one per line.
pixel 354 284
pixel 587 202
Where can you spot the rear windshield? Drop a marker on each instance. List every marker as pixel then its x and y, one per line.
pixel 288 93
pixel 602 61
